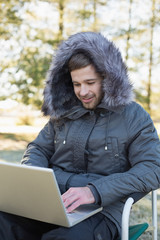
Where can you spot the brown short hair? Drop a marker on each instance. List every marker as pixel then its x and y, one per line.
pixel 77 61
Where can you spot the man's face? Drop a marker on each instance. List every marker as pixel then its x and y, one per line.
pixel 87 85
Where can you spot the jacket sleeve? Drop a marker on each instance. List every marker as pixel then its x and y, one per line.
pixel 143 150
pixel 39 151
pixel 67 180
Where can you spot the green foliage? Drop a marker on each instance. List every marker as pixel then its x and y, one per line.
pixel 26 120
pixel 35 67
pixel 9 17
pixel 141 98
pixel 85 14
pixel 29 64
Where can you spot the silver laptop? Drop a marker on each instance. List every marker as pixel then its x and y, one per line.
pixel 33 192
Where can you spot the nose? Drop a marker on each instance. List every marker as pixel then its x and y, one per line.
pixel 84 90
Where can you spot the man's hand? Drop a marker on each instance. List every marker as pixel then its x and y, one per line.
pixel 75 197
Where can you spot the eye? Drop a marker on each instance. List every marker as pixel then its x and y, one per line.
pixel 76 84
pixel 90 83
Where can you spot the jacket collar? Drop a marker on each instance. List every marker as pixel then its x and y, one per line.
pixel 79 111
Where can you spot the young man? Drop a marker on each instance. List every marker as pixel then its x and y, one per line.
pixel 101 145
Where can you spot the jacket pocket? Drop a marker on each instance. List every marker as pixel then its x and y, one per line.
pixel 104 157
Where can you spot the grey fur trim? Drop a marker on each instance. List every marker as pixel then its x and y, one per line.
pixel 59 96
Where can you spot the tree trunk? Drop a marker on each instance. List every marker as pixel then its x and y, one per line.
pixel 94 15
pixel 129 31
pixel 61 24
pixel 151 59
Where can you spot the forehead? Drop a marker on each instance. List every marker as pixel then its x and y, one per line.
pixel 86 73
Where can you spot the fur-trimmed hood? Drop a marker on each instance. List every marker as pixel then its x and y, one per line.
pixel 59 95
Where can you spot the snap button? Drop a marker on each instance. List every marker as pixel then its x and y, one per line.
pixel 91 113
pixel 102 114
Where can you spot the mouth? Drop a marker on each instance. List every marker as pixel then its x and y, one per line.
pixel 87 100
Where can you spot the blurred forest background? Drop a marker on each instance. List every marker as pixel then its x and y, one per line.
pixel 30 31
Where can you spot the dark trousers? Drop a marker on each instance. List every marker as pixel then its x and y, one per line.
pixel 97 227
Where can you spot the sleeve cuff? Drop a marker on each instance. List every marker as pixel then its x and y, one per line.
pixel 95 194
pixel 62 178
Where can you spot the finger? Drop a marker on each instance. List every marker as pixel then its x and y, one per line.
pixel 70 200
pixel 67 194
pixel 73 203
pixel 73 206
